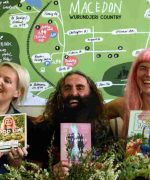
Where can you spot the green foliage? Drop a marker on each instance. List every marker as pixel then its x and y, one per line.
pixel 27 171
pixel 134 167
pixel 111 165
pixel 103 169
pixel 19 120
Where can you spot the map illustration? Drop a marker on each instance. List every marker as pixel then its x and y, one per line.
pixel 50 38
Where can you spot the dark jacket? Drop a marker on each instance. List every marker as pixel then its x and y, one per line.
pixel 100 133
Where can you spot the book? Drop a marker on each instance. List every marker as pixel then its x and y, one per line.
pixel 13 131
pixel 138 140
pixel 75 141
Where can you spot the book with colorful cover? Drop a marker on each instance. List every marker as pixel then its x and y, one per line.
pixel 75 140
pixel 13 131
pixel 138 140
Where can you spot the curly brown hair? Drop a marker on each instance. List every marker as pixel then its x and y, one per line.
pixel 55 100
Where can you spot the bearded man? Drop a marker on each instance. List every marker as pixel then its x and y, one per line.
pixel 76 100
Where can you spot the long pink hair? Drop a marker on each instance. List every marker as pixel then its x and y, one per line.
pixel 132 95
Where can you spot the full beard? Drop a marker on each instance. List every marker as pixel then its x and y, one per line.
pixel 84 108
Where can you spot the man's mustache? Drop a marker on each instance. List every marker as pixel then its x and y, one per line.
pixel 77 98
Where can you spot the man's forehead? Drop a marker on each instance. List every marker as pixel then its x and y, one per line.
pixel 75 79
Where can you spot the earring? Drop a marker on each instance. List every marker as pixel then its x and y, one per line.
pixel 141 91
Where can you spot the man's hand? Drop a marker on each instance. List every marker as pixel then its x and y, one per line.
pixel 61 169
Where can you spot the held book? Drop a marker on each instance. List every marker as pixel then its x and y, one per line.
pixel 75 140
pixel 138 133
pixel 13 131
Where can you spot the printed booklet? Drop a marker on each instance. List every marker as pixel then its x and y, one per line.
pixel 13 131
pixel 75 140
pixel 139 133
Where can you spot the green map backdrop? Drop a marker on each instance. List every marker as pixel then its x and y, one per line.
pixel 50 38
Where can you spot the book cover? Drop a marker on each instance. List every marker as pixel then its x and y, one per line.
pixel 138 133
pixel 75 140
pixel 13 131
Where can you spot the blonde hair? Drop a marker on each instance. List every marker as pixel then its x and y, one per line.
pixel 23 80
pixel 4 126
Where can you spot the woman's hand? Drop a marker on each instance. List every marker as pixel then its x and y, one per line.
pixel 16 155
pixel 61 169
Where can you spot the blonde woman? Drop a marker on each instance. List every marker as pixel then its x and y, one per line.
pixel 8 124
pixel 14 83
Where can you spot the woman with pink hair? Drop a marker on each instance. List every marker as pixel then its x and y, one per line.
pixel 137 91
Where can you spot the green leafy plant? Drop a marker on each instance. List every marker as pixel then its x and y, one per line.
pixel 102 168
pixel 26 171
pixel 137 166
pixel 109 165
